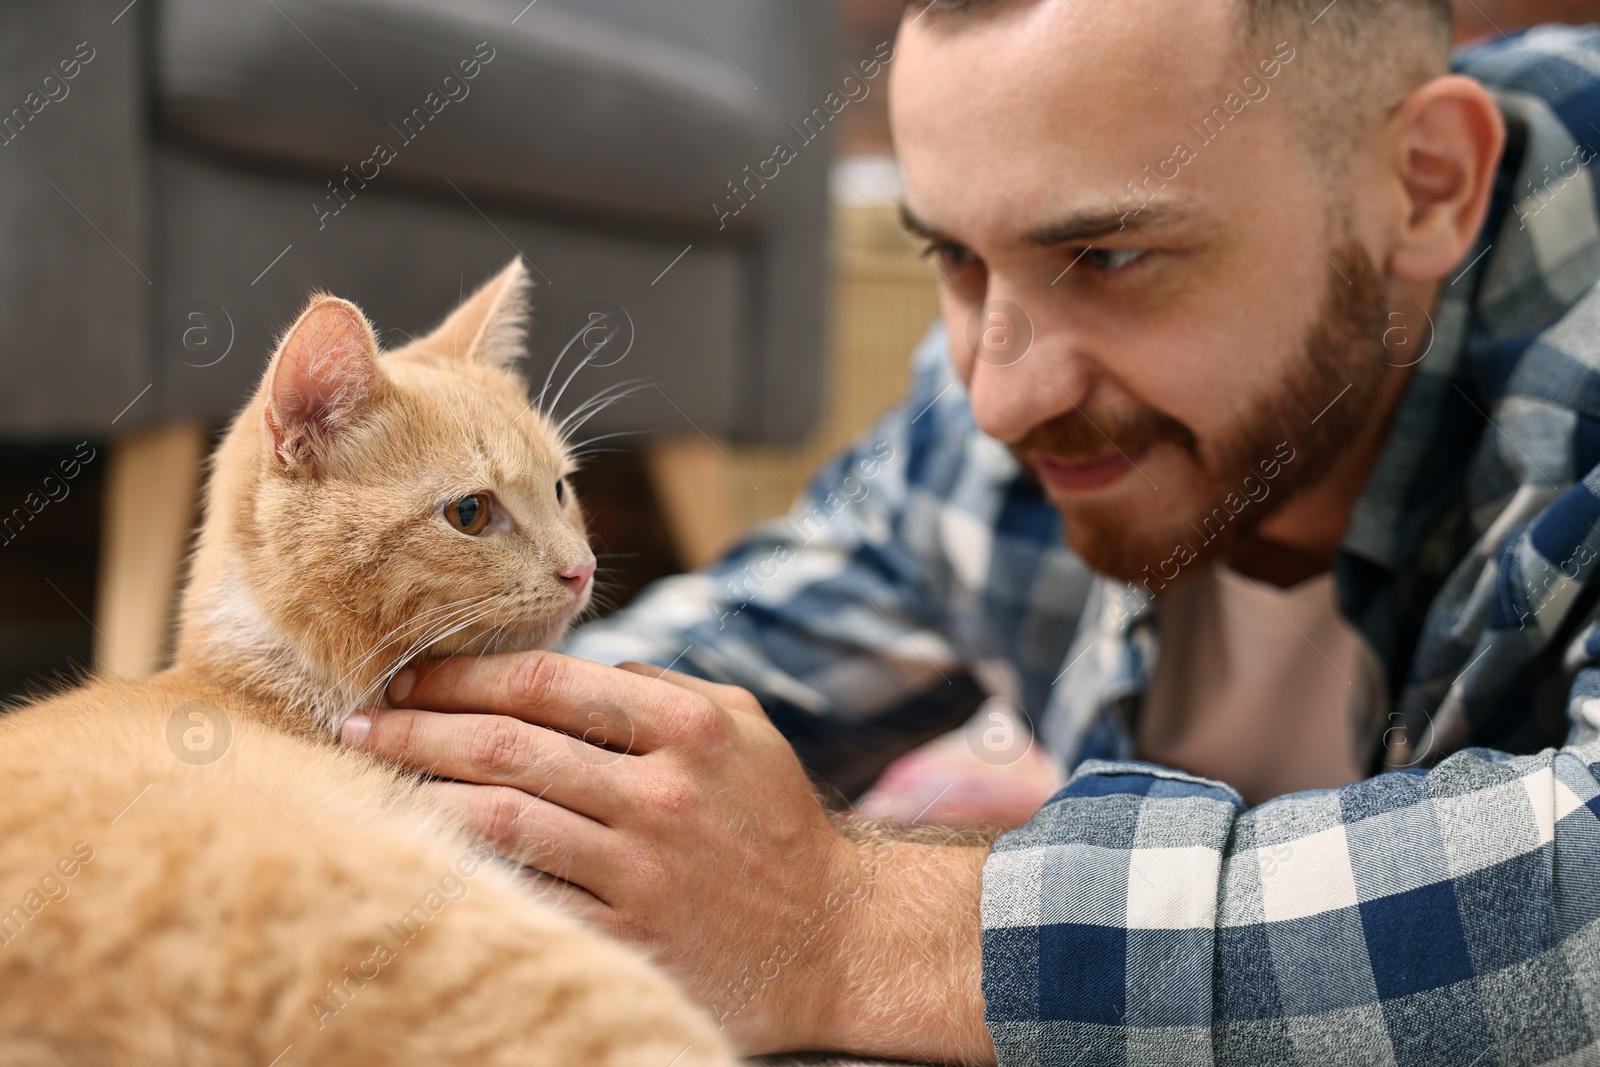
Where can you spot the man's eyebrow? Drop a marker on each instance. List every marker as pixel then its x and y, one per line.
pixel 1085 226
pixel 1078 228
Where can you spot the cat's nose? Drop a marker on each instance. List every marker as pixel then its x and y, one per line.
pixel 577 576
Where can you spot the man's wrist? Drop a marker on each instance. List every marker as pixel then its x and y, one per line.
pixel 904 971
pixel 788 998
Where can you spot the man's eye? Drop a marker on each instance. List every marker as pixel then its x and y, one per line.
pixel 950 254
pixel 1113 259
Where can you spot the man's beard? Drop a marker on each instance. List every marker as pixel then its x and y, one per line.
pixel 1317 411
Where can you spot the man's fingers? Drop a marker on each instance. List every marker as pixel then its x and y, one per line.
pixel 574 900
pixel 502 751
pixel 532 831
pixel 728 696
pixel 609 708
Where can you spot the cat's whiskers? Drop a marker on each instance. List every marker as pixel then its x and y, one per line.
pixel 445 630
pixel 437 630
pixel 525 633
pixel 599 402
pixel 441 635
pixel 337 702
pixel 577 448
pixel 578 458
pixel 605 390
pixel 492 645
pixel 301 645
pixel 538 402
pixel 290 681
pixel 519 633
pixel 588 357
pixel 489 637
pixel 423 619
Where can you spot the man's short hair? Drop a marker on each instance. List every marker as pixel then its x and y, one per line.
pixel 1261 18
pixel 1361 57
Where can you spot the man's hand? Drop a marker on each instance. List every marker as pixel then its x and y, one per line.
pixel 668 811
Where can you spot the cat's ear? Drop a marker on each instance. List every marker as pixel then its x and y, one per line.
pixel 491 326
pixel 323 379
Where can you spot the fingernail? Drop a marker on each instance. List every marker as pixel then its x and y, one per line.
pixel 356 728
pixel 400 685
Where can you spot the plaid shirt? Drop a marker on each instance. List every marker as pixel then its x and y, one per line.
pixel 1444 910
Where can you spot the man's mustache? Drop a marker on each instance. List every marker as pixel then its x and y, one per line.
pixel 1077 436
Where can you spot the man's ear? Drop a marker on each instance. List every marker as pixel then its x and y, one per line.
pixel 491 326
pixel 323 379
pixel 1448 138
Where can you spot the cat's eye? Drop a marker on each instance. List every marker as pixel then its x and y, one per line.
pixel 561 491
pixel 469 514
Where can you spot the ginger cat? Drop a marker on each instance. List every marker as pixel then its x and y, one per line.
pixel 193 872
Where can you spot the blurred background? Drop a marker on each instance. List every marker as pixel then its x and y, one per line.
pixel 712 179
pixel 178 174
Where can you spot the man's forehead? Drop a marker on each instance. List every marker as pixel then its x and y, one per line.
pixel 1168 47
pixel 1057 104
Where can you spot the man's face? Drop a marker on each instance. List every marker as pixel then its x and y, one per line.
pixel 1191 345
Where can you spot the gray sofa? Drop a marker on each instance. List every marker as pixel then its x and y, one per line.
pixel 165 209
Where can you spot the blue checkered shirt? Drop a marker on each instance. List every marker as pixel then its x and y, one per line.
pixel 1444 910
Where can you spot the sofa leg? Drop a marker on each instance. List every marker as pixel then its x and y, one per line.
pixel 152 483
pixel 691 479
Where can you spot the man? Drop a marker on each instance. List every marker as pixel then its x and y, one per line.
pixel 1269 346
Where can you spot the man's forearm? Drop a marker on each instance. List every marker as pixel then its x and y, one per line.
pixel 909 960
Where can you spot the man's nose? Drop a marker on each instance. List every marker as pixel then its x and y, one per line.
pixel 1019 377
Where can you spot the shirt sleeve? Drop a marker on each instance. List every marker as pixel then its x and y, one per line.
pixel 833 616
pixel 1446 917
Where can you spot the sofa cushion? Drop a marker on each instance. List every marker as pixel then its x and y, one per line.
pixel 551 111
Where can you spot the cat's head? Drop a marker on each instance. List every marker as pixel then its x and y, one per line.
pixel 372 507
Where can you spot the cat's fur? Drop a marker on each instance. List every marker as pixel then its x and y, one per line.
pixel 156 908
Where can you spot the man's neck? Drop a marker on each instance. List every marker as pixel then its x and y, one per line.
pixel 1301 539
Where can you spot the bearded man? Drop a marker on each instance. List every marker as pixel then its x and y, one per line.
pixel 1254 463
